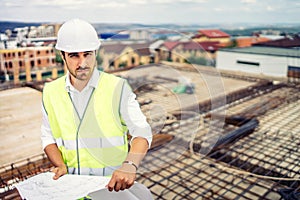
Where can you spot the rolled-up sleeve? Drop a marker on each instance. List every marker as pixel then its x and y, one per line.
pixel 133 116
pixel 46 133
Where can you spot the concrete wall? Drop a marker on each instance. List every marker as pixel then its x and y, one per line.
pixel 258 64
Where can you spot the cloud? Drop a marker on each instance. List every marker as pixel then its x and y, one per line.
pixel 218 9
pixel 140 2
pixel 270 8
pixel 177 1
pixel 8 3
pixel 110 5
pixel 248 1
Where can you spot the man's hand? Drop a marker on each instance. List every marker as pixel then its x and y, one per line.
pixel 59 171
pixel 123 178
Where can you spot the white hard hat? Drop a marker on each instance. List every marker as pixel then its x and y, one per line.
pixel 77 35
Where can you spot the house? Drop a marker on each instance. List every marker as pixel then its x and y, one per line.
pixel 269 61
pixel 120 55
pixel 212 35
pixel 188 51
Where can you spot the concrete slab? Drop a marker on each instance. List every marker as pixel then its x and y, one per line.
pixel 163 79
pixel 20 122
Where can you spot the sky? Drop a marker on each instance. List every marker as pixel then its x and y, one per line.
pixel 153 12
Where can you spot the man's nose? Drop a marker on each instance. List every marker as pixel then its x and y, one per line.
pixel 82 60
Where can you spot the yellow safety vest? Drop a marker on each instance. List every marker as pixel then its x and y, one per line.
pixel 97 143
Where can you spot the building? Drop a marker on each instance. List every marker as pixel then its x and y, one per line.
pixel 247 41
pixel 212 35
pixel 120 55
pixel 287 42
pixel 189 51
pixel 269 61
pixel 33 57
pixel 29 36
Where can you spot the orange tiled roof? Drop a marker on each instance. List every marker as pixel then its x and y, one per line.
pixel 249 41
pixel 213 33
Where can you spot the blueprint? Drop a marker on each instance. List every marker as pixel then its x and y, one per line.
pixel 67 187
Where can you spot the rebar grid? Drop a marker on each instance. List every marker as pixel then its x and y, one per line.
pixel 18 171
pixel 195 177
pixel 273 149
pixel 270 151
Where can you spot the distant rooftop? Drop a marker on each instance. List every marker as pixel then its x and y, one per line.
pixel 287 42
pixel 273 51
pixel 214 33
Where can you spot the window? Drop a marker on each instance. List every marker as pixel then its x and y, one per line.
pixel 39 61
pixel 19 53
pixel 247 63
pixel 20 63
pixel 38 52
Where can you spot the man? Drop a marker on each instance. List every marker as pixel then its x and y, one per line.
pixel 86 115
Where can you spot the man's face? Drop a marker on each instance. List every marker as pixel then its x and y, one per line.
pixel 80 64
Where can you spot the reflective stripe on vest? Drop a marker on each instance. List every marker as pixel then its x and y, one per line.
pixel 100 138
pixel 107 171
pixel 91 142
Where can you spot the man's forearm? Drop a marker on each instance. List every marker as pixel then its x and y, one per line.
pixel 54 155
pixel 138 149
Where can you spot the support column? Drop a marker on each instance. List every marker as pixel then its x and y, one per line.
pixel 27 69
pixel 16 72
pixel 39 76
pixel 54 73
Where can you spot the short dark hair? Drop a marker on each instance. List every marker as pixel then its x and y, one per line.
pixel 63 54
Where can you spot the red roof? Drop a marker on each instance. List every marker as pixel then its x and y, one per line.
pixel 214 33
pixel 170 44
pixel 287 42
pixel 209 46
pixel 191 45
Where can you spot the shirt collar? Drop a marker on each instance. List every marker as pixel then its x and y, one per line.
pixel 93 82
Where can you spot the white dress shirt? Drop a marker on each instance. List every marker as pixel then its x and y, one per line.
pixel 129 109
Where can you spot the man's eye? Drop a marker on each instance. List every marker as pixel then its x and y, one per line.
pixel 73 55
pixel 88 54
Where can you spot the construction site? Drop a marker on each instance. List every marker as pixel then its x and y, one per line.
pixel 231 136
